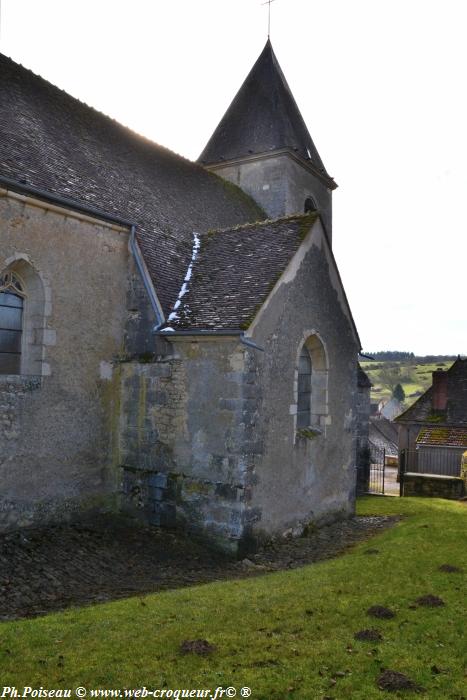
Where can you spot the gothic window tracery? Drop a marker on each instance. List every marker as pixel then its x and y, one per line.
pixel 12 297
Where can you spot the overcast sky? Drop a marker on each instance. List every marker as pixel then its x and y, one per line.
pixel 380 84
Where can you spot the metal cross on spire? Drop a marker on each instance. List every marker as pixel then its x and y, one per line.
pixel 268 3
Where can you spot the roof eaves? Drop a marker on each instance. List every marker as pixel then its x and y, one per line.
pixel 59 200
pixel 214 165
pixel 171 332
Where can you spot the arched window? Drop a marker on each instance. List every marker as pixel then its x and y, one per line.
pixel 304 389
pixel 23 312
pixel 11 322
pixel 310 205
pixel 311 387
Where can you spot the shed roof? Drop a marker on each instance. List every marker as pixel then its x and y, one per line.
pixel 442 437
pixel 54 142
pixel 235 270
pixel 263 117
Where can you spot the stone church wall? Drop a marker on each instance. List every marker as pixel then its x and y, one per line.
pixel 187 439
pixel 304 476
pixel 57 440
pixel 280 185
pixel 302 184
pixel 209 435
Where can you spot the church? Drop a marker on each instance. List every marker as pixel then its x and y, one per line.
pixel 175 339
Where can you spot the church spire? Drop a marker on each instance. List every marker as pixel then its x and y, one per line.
pixel 262 118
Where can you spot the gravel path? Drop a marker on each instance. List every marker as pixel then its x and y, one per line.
pixel 52 568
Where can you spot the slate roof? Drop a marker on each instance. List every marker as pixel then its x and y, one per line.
pixel 442 437
pixel 54 142
pixel 456 412
pixel 384 434
pixel 236 269
pixel 263 117
pixel 387 428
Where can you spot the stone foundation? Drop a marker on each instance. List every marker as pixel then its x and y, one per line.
pixel 433 486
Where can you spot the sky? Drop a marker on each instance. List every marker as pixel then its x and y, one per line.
pixel 380 84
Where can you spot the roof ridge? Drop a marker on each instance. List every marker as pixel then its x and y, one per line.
pixel 98 112
pixel 412 406
pixel 312 216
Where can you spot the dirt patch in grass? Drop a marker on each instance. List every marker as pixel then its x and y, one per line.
pixel 430 601
pixel 394 681
pixel 380 612
pixel 110 557
pixel 450 569
pixel 197 646
pixel 372 550
pixel 265 663
pixel 370 635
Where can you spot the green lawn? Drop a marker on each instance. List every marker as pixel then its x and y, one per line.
pixel 286 635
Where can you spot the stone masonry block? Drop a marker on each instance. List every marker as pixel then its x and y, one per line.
pixel 49 337
pixel 161 370
pixel 231 404
pixel 252 391
pixel 251 515
pixel 250 378
pixel 167 514
pixel 158 480
pixel 228 492
pixel 160 398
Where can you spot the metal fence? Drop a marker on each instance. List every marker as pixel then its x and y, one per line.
pixel 370 469
pixel 442 461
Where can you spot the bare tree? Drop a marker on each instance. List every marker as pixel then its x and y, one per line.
pixel 389 378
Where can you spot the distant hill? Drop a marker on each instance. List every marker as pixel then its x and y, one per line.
pixel 414 374
pixel 401 356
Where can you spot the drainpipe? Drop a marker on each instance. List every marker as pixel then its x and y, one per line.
pixel 249 343
pixel 143 271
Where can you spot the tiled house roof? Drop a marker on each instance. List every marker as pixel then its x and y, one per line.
pixel 263 117
pixel 386 427
pixel 456 410
pixel 443 437
pixel 54 142
pixel 381 438
pixel 235 270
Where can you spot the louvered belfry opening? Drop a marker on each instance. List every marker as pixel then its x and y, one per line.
pixel 11 323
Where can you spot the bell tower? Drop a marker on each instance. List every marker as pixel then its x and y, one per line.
pixel 262 145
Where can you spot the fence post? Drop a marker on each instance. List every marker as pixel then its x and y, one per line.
pixel 384 466
pixel 402 464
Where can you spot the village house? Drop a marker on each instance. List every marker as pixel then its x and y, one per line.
pixel 433 436
pixel 175 338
